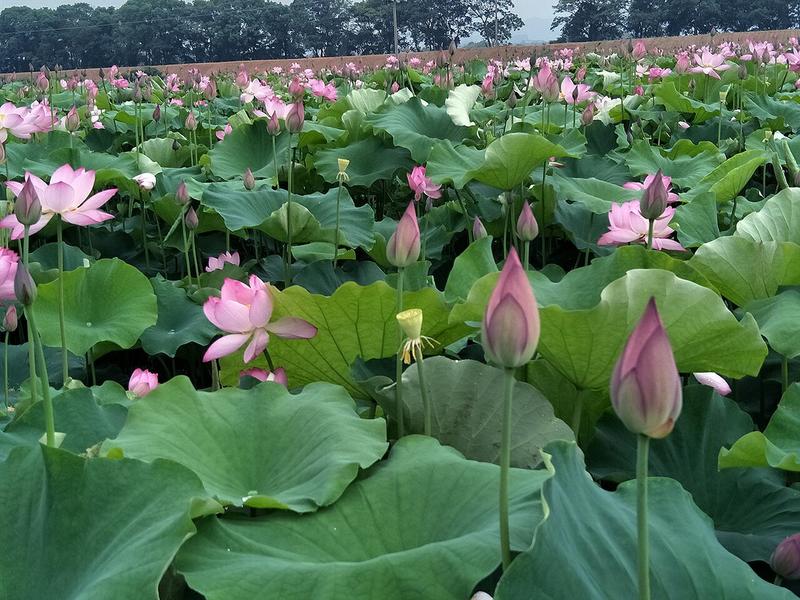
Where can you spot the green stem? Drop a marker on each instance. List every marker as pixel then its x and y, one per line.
pixel 186 250
pixel 61 316
pixel 467 222
pixel 650 234
pixel 275 161
pixel 399 360
pixel 542 230
pixel 49 420
pixel 5 371
pixel 778 580
pixel 577 413
pixel 426 400
pixel 214 376
pixel 642 450
pixel 31 346
pixel 526 255
pixel 193 243
pixel 336 234
pixel 505 464
pixel 144 230
pixel 785 374
pixel 289 218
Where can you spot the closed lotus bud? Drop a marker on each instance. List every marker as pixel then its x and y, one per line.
pixel 248 179
pixel 296 89
pixel 28 207
pixel 295 117
pixel 742 71
pixel 403 247
pixel 645 386
pixel 191 220
pixel 510 330
pixel 478 230
pixel 273 125
pixel 10 320
pixel 587 116
pixel 191 121
pixel 42 82
pixel 157 113
pixel 654 198
pixel 24 286
pixel 551 91
pixel 410 322
pixel 72 121
pixel 211 90
pixel 182 194
pixel 394 88
pixel 527 227
pixel 785 560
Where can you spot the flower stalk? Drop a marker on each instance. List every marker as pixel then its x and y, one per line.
pixel 642 452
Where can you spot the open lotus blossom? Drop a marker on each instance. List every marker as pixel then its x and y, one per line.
pixel 709 63
pixel 142 382
pixel 627 225
pixel 218 262
pixel 146 181
pixel 243 312
pixel 67 195
pixel 322 90
pixel 575 94
pixel 277 376
pixel 714 381
pixel 8 270
pixel 422 185
pixel 666 181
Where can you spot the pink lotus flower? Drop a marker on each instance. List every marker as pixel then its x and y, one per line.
pixel 277 376
pixel 142 382
pixel 672 197
pixel 785 560
pixel 222 133
pixel 403 246
pixel 146 181
pixel 256 90
pixel 646 388
pixel 709 63
pixel 422 185
pixel 243 312
pixel 322 90
pixel 510 330
pixel 67 195
pixel 626 225
pixel 8 270
pixel 639 50
pixel 714 381
pixel 575 94
pixel 215 264
pixel 682 63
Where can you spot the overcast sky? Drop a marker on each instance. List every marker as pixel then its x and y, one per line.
pixel 537 14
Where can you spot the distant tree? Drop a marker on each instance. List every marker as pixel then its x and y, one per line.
pixel 589 20
pixel 646 17
pixel 433 24
pixel 494 20
pixel 373 29
pixel 322 26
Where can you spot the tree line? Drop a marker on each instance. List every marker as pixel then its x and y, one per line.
pixel 588 20
pixel 152 32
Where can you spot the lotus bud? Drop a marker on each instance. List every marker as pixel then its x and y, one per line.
pixel 296 89
pixel 654 198
pixel 295 117
pixel 742 71
pixel 785 560
pixel 242 78
pixel 248 179
pixel 24 286
pixel 682 64
pixel 510 331
pixel 191 220
pixel 157 113
pixel 182 194
pixel 142 382
pixel 211 90
pixel 587 116
pixel 410 322
pixel 101 73
pixel 42 82
pixel 28 207
pixel 72 121
pixel 273 125
pixel 645 386
pixel 394 88
pixel 137 93
pixel 191 121
pixel 403 247
pixel 10 320
pixel 527 227
pixel 478 230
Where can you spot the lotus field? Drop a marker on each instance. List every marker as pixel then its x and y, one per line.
pixel 446 330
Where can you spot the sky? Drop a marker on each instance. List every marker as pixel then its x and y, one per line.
pixel 537 14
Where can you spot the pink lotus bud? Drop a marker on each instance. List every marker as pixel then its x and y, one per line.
pixel 682 63
pixel 10 320
pixel 478 230
pixel 191 121
pixel 142 382
pixel 276 376
pixel 72 121
pixel 191 219
pixel 28 208
pixel 551 91
pixel 274 125
pixel 785 560
pixel 639 50
pixel 395 87
pixel 654 198
pixel 42 82
pixel 510 331
pixel 645 386
pixel 581 74
pixel 248 179
pixel 295 117
pixel 527 227
pixel 587 116
pixel 714 381
pixel 24 286
pixel 157 113
pixel 296 89
pixel 638 90
pixel 182 194
pixel 211 90
pixel 402 249
pixel 242 78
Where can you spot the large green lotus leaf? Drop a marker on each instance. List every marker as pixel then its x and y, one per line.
pixel 76 528
pixel 163 152
pixel 686 163
pixel 778 446
pixel 668 95
pixel 777 319
pixel 777 221
pixel 18 155
pixel 729 178
pixel 370 160
pixel 510 159
pixel 460 101
pixel 752 509
pixel 770 110
pixel 356 321
pixel 366 100
pixel 469 266
pixel 589 537
pixel 180 321
pixel 744 270
pixel 455 164
pixel 422 524
pixel 416 127
pixel 249 147
pixel 110 301
pixel 697 221
pixel 262 447
pixel 313 215
pixel 594 194
pixel 468 411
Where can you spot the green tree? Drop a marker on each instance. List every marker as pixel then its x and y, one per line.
pixel 646 18
pixel 322 26
pixel 494 20
pixel 433 24
pixel 589 20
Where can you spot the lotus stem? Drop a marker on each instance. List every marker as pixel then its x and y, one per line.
pixel 336 234
pixel 31 332
pixel 505 465
pixel 61 315
pixel 186 252
pixel 49 420
pixel 144 230
pixel 642 451
pixel 467 223
pixel 275 161
pixel 289 218
pixel 398 394
pixel 426 400
pixel 650 234
pixel 5 371
pixel 784 374
pixel 193 243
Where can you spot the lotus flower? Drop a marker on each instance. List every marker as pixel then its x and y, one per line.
pixel 8 271
pixel 714 381
pixel 322 90
pixel 639 50
pixel 277 376
pixel 710 64
pixel 546 83
pixel 403 246
pixel 146 181
pixel 626 225
pixel 10 319
pixel 215 264
pixel 478 230
pixel 67 195
pixel 666 181
pixel 220 134
pixel 243 312
pixel 510 331
pixel 785 560
pixel 142 382
pixel 646 388
pixel 575 94
pixel 654 198
pixel 527 227
pixel 422 185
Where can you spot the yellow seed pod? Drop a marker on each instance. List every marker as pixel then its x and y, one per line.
pixel 343 164
pixel 410 322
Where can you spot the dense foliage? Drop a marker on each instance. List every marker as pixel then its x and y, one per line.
pixel 307 335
